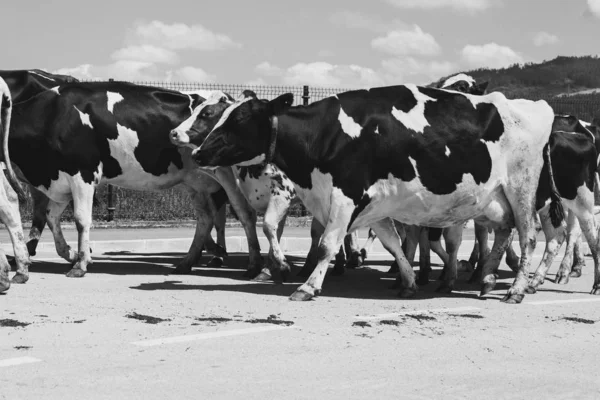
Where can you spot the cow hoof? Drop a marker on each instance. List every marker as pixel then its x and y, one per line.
pixel 487 288
pixel 407 293
pixel 394 268
pixel 445 287
pixel 264 276
pixel 215 262
pixel 301 295
pixel 20 278
pixel 252 273
pixel 530 290
pixel 422 280
pixel 182 270
pixel 562 279
pixel 513 298
pixel 576 273
pixel 595 291
pixel 76 273
pixel 4 285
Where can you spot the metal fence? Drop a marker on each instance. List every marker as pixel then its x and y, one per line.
pixel 172 204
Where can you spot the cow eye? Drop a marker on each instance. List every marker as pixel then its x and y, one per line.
pixel 205 114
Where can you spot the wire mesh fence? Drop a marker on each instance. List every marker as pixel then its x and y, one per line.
pixel 173 204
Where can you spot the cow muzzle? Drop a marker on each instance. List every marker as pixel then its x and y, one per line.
pixel 179 138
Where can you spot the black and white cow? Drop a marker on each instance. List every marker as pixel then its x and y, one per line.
pixel 420 155
pixel 10 192
pixel 573 149
pixel 267 189
pixel 85 133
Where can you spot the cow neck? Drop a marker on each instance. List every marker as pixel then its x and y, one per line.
pixel 273 139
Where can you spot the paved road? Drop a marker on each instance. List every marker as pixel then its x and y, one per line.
pixel 215 335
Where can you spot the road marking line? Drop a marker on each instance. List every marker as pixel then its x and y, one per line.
pixel 208 335
pixel 9 362
pixel 542 303
pixel 408 312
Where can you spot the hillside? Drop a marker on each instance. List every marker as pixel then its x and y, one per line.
pixel 561 76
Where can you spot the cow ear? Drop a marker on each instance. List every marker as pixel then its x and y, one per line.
pixel 280 104
pixel 196 100
pixel 247 94
pixel 481 87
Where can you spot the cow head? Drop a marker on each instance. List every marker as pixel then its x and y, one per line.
pixel 193 131
pixel 463 83
pixel 245 134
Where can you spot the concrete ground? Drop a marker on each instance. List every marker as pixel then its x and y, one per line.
pixel 130 330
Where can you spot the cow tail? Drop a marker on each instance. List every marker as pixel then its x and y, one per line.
pixel 5 115
pixel 557 212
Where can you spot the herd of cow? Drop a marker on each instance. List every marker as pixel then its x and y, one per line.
pixel 412 163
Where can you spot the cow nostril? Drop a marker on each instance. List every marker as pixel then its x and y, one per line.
pixel 174 134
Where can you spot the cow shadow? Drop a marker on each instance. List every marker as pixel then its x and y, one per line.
pixel 364 283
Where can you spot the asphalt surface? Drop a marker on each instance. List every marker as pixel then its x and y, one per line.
pixel 130 330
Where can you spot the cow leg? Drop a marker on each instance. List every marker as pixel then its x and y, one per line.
pixel 83 200
pixel 316 231
pixel 554 240
pixel 483 252
pixel 40 205
pixel 389 237
pixel 453 237
pixel 353 251
pixel 501 242
pixel 573 233
pixel 424 258
pixel 218 249
pixel 340 261
pixel 247 217
pixel 512 259
pixel 583 208
pixel 53 214
pixel 331 240
pixel 525 216
pixel 368 246
pixel 4 269
pixel 413 233
pixel 204 223
pixel 11 218
pixel 273 225
pixel 435 243
pixel 578 257
pixel 401 229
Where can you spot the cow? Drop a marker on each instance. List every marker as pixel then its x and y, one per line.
pixel 11 192
pixel 573 149
pixel 267 189
pixel 24 84
pixel 116 132
pixel 422 156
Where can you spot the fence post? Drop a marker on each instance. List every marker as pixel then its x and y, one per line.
pixel 110 207
pixel 305 99
pixel 305 95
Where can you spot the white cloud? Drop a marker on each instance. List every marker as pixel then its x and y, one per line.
pixel 179 36
pixel 326 74
pixel 470 6
pixel 399 71
pixel 137 71
pixel 191 74
pixel 268 69
pixel 146 53
pixel 594 7
pixel 407 42
pixel 490 55
pixel 544 38
pixel 256 82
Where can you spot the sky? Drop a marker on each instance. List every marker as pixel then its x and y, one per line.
pixel 340 43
